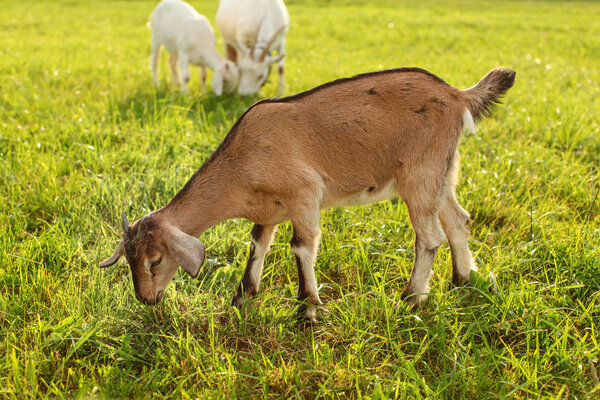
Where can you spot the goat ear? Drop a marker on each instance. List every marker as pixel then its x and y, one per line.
pixel 142 229
pixel 187 251
pixel 125 222
pixel 273 60
pixel 114 258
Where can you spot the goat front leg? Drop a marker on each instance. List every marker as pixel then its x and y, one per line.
pixel 305 243
pixel 154 61
pixel 173 65
pixel 184 66
pixel 280 66
pixel 203 76
pixel 261 236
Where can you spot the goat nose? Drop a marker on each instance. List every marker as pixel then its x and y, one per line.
pixel 146 301
pixel 150 302
pixel 159 296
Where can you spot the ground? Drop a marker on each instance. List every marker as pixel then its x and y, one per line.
pixel 84 136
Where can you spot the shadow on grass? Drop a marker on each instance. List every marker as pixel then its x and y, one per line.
pixel 150 104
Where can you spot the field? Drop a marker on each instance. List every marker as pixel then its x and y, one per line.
pixel 84 136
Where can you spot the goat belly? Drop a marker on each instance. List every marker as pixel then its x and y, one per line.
pixel 370 194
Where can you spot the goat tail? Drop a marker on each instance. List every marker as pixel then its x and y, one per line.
pixel 485 96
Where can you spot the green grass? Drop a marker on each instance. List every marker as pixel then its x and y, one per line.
pixel 84 136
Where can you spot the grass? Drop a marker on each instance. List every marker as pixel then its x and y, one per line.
pixel 84 136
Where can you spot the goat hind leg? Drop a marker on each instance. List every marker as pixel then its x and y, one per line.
pixel 428 238
pixel 454 220
pixel 281 67
pixel 455 223
pixel 262 236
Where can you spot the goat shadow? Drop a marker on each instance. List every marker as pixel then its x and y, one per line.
pixel 148 104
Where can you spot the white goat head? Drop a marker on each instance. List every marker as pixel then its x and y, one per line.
pixel 225 78
pixel 254 69
pixel 154 251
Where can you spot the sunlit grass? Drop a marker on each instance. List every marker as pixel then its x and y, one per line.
pixel 84 136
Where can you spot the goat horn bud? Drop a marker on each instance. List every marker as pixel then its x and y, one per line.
pixel 125 222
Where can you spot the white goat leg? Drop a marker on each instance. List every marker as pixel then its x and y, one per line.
pixel 173 65
pixel 154 61
pixel 281 66
pixel 261 236
pixel 184 67
pixel 304 245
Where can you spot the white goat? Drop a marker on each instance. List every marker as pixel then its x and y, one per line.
pixel 189 37
pixel 351 141
pixel 251 30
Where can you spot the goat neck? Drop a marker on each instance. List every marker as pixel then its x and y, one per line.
pixel 211 196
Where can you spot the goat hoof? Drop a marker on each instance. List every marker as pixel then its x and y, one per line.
pixel 458 280
pixel 307 313
pixel 473 278
pixel 243 294
pixel 414 300
pixel 239 299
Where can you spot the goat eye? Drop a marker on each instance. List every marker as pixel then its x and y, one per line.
pixel 155 263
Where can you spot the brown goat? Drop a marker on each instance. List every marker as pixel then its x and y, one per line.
pixel 352 141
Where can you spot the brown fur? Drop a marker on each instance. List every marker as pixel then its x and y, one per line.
pixel 335 141
pixel 350 141
pixel 483 97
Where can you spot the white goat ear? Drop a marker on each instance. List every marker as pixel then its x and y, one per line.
pixel 114 258
pixel 217 83
pixel 273 60
pixel 187 251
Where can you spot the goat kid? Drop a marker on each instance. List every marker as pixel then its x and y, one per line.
pixel 251 30
pixel 352 141
pixel 190 38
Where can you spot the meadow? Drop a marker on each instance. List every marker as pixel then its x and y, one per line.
pixel 84 136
